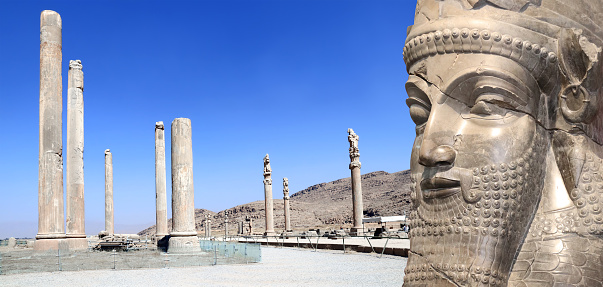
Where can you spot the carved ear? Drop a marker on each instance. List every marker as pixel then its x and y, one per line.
pixel 580 63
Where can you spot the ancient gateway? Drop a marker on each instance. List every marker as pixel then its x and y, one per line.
pixel 507 161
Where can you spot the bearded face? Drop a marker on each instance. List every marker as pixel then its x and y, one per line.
pixel 477 166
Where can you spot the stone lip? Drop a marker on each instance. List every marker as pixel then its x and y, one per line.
pixel 75 235
pixel 51 236
pixel 183 233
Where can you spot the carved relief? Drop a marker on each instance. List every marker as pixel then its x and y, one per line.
pixel 507 164
pixel 286 188
pixel 267 169
pixel 354 151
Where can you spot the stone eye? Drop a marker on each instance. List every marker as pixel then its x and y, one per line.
pixel 482 108
pixel 490 104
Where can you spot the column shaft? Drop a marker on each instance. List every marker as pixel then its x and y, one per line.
pixel 287 215
pixel 160 182
pixel 269 206
pixel 357 198
pixel 51 223
pixel 75 153
pixel 109 227
pixel 184 235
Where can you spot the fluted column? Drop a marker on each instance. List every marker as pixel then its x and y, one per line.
pixel 286 204
pixel 357 209
pixel 160 183
pixel 268 197
pixel 183 236
pixel 50 171
pixel 109 227
pixel 76 231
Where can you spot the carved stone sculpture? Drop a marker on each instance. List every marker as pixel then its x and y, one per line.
pixel 357 207
pixel 507 162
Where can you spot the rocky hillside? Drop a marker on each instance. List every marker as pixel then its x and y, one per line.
pixel 324 205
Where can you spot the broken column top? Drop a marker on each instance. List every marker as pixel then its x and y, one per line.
pixel 107 151
pixel 75 64
pixel 50 18
pixel 159 125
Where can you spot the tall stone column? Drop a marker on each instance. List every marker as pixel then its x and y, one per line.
pixel 356 183
pixel 76 231
pixel 109 227
pixel 268 197
pixel 286 205
pixel 207 226
pixel 160 183
pixel 51 220
pixel 183 237
pixel 225 225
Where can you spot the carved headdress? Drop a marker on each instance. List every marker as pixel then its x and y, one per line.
pixel 557 41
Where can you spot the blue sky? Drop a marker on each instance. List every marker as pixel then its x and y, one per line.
pixel 281 77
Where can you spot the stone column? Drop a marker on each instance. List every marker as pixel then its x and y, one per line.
pixel 205 225
pixel 76 231
pixel 249 225
pixel 208 228
pixel 51 220
pixel 268 197
pixel 356 183
pixel 183 237
pixel 109 192
pixel 225 225
pixel 160 183
pixel 286 205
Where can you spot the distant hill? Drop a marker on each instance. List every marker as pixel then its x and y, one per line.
pixel 322 205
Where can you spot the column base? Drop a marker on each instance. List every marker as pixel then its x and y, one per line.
pixel 46 244
pixel 77 243
pixel 269 233
pixel 356 231
pixel 184 244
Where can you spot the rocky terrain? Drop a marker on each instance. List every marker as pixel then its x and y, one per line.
pixel 324 205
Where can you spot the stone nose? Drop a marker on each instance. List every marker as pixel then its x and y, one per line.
pixel 440 155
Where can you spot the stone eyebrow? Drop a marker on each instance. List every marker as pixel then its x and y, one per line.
pixel 417 91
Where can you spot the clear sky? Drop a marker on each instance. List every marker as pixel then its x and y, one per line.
pixel 284 77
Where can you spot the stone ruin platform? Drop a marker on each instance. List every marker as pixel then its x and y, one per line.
pixel 391 246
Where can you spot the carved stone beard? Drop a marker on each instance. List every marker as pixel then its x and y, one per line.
pixel 475 243
pixel 564 247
